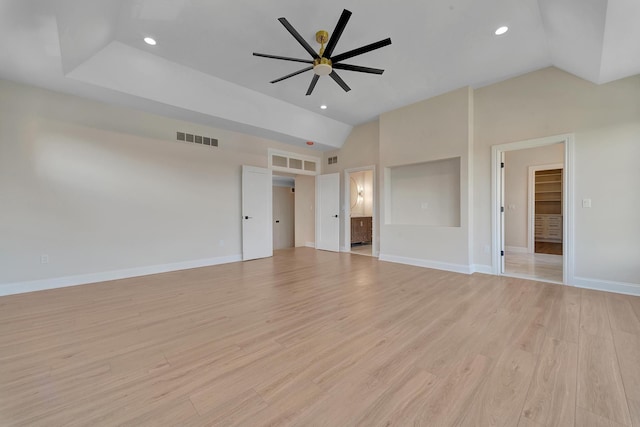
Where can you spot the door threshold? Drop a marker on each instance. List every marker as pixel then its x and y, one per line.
pixel 534 278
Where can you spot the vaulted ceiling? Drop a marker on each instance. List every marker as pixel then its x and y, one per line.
pixel 202 68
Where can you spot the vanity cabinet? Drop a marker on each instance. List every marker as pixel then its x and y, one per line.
pixel 361 230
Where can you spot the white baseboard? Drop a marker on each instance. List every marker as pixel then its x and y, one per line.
pixel 310 245
pixel 516 249
pixel 608 286
pixel 83 279
pixel 437 265
pixel 481 268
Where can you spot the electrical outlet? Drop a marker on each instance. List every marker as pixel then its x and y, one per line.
pixel 44 259
pixel 586 203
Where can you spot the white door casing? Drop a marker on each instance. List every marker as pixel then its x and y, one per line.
pixel 567 199
pixel 257 230
pixel 347 208
pixel 328 212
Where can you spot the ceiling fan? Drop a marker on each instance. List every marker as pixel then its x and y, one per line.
pixel 324 62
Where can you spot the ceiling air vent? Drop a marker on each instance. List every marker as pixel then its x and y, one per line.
pixel 196 139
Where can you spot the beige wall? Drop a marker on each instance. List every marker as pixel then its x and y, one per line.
pixel 606 122
pixel 305 210
pixel 99 188
pixel 516 189
pixel 435 129
pixel 360 149
pixel 424 194
pixel 361 182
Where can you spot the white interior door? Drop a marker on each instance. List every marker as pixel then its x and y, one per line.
pixel 328 212
pixel 257 231
pixel 502 239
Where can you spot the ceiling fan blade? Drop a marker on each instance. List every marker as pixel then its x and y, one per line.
pixel 284 58
pixel 292 74
pixel 314 80
pixel 338 80
pixel 298 37
pixel 361 50
pixel 358 68
pixel 337 32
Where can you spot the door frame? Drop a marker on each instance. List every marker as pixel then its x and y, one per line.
pixel 347 209
pixel 567 202
pixel 531 205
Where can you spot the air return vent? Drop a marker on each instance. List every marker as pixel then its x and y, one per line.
pixel 293 163
pixel 196 139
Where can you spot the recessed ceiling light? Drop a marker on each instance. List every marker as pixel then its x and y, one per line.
pixel 150 41
pixel 323 107
pixel 500 31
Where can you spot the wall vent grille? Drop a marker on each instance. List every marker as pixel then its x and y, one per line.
pixel 283 161
pixel 196 139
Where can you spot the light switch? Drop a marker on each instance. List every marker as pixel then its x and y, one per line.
pixel 586 203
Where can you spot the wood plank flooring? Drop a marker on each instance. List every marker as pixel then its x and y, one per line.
pixel 534 266
pixel 316 338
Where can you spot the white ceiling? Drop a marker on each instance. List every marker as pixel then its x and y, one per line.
pixel 202 68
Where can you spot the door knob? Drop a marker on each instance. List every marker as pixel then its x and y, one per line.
pixel 335 216
pixel 248 217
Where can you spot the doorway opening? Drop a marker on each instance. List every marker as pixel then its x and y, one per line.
pixel 532 213
pixel 360 211
pixel 545 206
pixel 283 212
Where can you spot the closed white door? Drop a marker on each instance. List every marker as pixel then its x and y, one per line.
pixel 257 231
pixel 502 239
pixel 328 212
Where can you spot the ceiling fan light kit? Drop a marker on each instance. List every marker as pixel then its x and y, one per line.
pixel 322 66
pixel 323 62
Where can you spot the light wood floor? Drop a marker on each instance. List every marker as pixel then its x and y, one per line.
pixel 535 266
pixel 365 249
pixel 315 338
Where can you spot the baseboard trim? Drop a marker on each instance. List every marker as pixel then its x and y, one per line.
pixel 516 249
pixel 484 269
pixel 608 286
pixel 310 245
pixel 84 279
pixel 437 265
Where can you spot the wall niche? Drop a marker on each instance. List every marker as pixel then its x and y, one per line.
pixel 424 193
